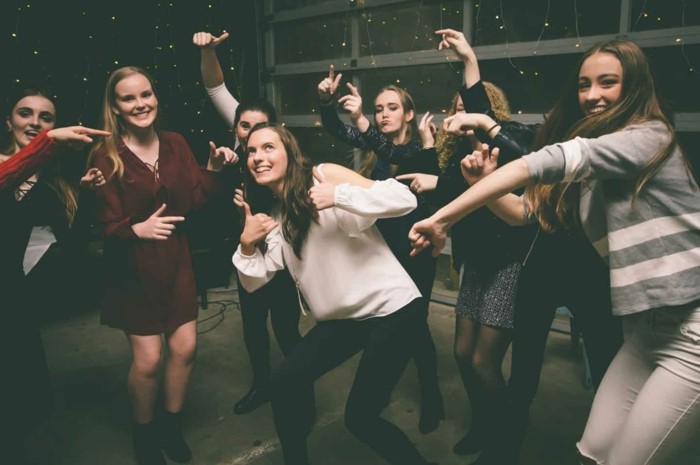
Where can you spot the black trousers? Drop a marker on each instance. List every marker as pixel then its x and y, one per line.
pixel 279 299
pixel 562 270
pixel 385 343
pixel 421 269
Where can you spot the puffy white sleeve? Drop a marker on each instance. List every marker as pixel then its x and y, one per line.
pixel 224 102
pixel 258 269
pixel 357 208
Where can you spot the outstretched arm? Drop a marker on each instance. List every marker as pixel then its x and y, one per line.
pixel 433 230
pixel 41 151
pixel 340 187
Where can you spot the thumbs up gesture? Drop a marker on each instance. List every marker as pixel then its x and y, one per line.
pixel 256 227
pixel 208 40
pixel 157 227
pixel 322 194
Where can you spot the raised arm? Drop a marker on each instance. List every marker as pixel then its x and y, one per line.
pixel 209 66
pixel 456 41
pixel 213 76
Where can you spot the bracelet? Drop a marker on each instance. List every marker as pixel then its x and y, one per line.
pixel 488 131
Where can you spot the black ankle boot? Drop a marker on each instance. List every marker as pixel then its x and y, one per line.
pixel 172 440
pixel 146 447
pixel 257 396
pixel 432 411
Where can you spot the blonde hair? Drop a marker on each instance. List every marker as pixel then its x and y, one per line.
pixel 112 122
pixel 445 145
pixel 369 158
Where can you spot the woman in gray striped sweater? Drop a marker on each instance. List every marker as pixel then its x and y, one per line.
pixel 621 176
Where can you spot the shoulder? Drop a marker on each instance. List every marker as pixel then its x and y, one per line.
pixel 652 128
pixel 337 174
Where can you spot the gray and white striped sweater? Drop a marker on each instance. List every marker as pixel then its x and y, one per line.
pixel 651 246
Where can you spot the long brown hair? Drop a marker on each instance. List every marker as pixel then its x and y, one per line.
pixel 369 158
pixel 556 206
pixel 112 122
pixel 298 211
pixel 446 144
pixel 50 174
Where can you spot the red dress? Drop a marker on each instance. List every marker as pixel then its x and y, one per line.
pixel 149 286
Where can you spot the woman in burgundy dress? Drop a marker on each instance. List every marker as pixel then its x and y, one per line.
pixel 153 183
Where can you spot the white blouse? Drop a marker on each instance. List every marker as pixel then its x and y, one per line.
pixel 347 270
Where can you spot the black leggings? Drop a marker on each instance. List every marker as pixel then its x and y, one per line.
pixel 278 298
pixel 385 343
pixel 562 270
pixel 421 269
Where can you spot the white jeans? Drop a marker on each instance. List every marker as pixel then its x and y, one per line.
pixel 647 409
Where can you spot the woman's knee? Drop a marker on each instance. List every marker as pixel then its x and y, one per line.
pixel 147 363
pixel 462 355
pixel 485 368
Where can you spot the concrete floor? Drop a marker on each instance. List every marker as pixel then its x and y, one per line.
pixel 91 420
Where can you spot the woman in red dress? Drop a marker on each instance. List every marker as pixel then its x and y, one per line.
pixel 153 183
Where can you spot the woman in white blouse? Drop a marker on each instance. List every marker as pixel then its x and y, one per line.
pixel 319 224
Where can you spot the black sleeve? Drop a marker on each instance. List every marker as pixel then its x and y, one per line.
pixel 341 131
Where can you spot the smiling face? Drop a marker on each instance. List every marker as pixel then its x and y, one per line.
pixel 267 159
pixel 135 102
pixel 389 114
pixel 30 116
pixel 247 121
pixel 599 82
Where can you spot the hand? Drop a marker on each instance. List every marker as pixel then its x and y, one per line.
pixel 427 130
pixel 329 85
pixel 75 137
pixel 157 227
pixel 207 40
pixel 419 182
pixel 426 232
pixel 456 41
pixel 218 157
pixel 461 123
pixel 256 227
pixel 352 103
pixel 92 179
pixel 322 194
pixel 479 164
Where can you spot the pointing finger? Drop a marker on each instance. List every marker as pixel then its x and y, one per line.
pixel 353 90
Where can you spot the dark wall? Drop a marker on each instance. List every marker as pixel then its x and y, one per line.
pixel 74 56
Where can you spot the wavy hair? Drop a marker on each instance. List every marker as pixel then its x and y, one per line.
pixel 114 123
pixel 446 144
pixel 298 211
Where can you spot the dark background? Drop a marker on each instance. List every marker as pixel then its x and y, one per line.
pixel 71 46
